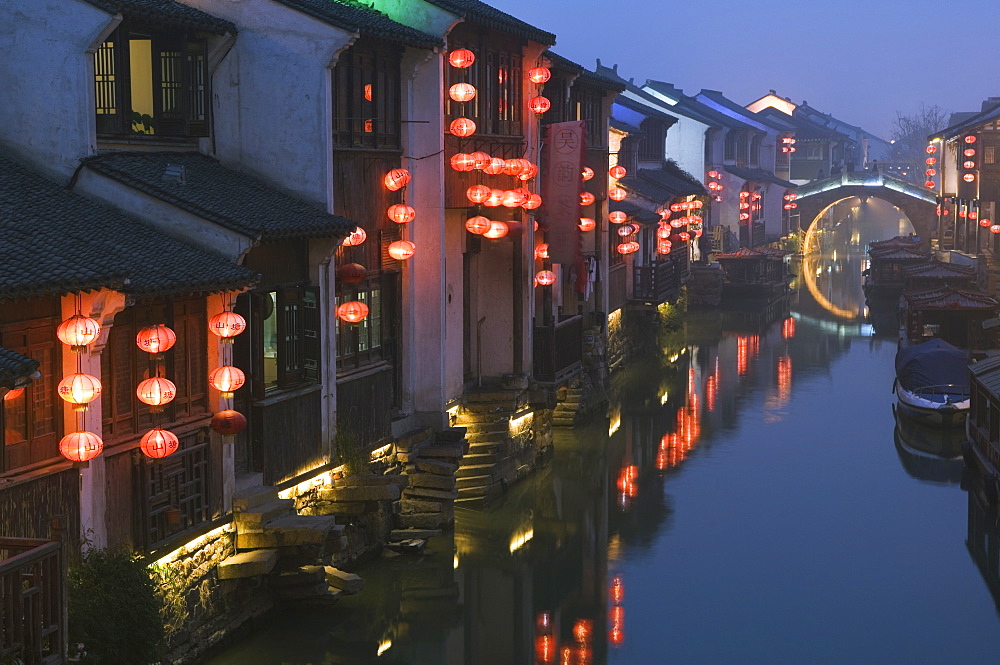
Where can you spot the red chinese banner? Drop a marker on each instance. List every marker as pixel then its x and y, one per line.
pixel 565 149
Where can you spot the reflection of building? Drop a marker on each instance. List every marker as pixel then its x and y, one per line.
pixel 983 540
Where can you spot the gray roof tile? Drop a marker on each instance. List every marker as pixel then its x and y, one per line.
pixel 480 12
pixel 364 20
pixel 15 368
pixel 168 12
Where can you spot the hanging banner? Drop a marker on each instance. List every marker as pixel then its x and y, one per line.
pixel 565 149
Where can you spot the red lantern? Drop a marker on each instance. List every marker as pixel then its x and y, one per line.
pixel 969 152
pixel 462 92
pixel 985 223
pixel 78 331
pixel 529 172
pixel 663 233
pixel 229 422
pixel 968 164
pixel 587 224
pixel 663 247
pixel 12 395
pixel 539 74
pixel 970 139
pixel 480 160
pixel 617 172
pixel 512 167
pixel 617 217
pixel 930 161
pixel 494 199
pixel 968 177
pixel 542 251
pixel 545 277
pixel 463 162
pixel 401 250
pixel 227 325
pixel 684 235
pixel 352 273
pixel 495 167
pixel 158 443
pixel 79 390
pixel 156 392
pixel 588 173
pixel 995 228
pixel 461 58
pixel 628 247
pixel 713 174
pixel 401 213
pixel 477 193
pixel 931 149
pixel 80 446
pixel 929 184
pixel 477 225
pixel 586 198
pixel 496 230
pixel 356 237
pixel 513 198
pixel 930 173
pixel 534 202
pixel 155 339
pixel 226 379
pixel 352 312
pixel 539 105
pixel 462 127
pixel 396 179
pixel 617 194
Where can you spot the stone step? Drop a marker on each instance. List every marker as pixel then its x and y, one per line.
pixel 470 419
pixel 254 496
pixel 289 531
pixel 450 435
pixel 365 480
pixel 361 493
pixel 424 505
pixel 397 535
pixel 487 490
pixel 432 481
pixel 421 493
pixel 422 520
pixel 475 459
pixel 486 408
pixel 474 481
pixel 414 438
pixel 255 518
pixel 487 447
pixel 342 580
pixel 436 466
pixel 487 428
pixel 248 564
pixel 474 470
pixel 488 437
pixel 490 396
pixel 446 450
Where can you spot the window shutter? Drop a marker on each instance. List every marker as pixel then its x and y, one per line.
pixel 168 86
pixel 386 238
pixel 196 89
pixel 107 91
pixel 310 334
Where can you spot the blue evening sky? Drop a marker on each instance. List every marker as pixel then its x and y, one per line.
pixel 860 60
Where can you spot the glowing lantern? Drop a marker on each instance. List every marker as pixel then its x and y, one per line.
pixel 628 247
pixel 401 250
pixel 684 235
pixel 396 179
pixel 495 167
pixel 539 74
pixel 545 277
pixel 930 173
pixel 477 193
pixel 588 173
pixel 627 229
pixel 462 92
pixel 513 198
pixel 496 230
pixel 494 199
pixel 539 104
pixel 931 149
pixel 713 174
pixel 617 217
pixel 462 127
pixel 587 224
pixel 512 167
pixel 229 422
pixel 352 273
pixel 968 177
pixel 480 159
pixel 617 172
pixel 401 213
pixel 542 251
pixel 586 198
pixel 156 392
pixel 995 228
pixel 529 172
pixel 158 443
pixel 969 152
pixel 461 58
pixel 968 165
pixel 12 395
pixel 477 225
pixel 929 184
pixel 356 237
pixel 663 233
pixel 617 194
pixel 985 223
pixel 970 139
pixel 930 161
pixel 463 162
pixel 226 379
pixel 352 311
pixel 534 201
pixel 155 339
pixel 78 331
pixel 227 325
pixel 663 247
pixel 80 446
pixel 973 214
pixel 79 390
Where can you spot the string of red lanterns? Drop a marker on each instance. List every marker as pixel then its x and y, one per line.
pixel 79 389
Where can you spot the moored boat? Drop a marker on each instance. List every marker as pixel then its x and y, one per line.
pixel 932 383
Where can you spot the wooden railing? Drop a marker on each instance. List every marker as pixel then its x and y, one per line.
pixel 656 283
pixel 32 621
pixel 365 405
pixel 558 349
pixel 288 435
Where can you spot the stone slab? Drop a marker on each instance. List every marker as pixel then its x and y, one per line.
pixel 371 480
pixel 428 493
pixel 397 535
pixel 447 451
pixel 422 505
pixel 437 466
pixel 248 564
pixel 432 480
pixel 422 520
pixel 344 581
pixel 361 493
pixel 256 517
pixel 254 496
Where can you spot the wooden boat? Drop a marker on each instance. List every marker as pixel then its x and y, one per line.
pixel 932 383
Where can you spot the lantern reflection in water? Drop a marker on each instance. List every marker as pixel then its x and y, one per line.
pixel 784 378
pixel 788 328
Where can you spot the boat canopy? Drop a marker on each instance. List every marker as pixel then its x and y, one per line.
pixel 933 363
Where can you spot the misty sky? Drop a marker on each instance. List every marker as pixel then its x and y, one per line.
pixel 861 60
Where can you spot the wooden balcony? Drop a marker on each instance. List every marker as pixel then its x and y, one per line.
pixel 656 283
pixel 558 349
pixel 32 616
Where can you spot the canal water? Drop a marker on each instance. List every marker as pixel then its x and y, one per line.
pixel 750 499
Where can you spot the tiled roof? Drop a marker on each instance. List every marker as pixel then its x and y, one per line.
pixel 758 175
pixel 757 253
pixel 947 297
pixel 898 254
pixel 638 214
pixel 53 242
pixel 724 101
pixel 168 12
pixel 624 126
pixel 475 11
pixel 229 198
pixel 15 369
pixel 584 74
pixel 963 122
pixel 939 269
pixel 363 20
pixel 894 242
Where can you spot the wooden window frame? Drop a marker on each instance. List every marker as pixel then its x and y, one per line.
pixel 368 118
pixel 499 106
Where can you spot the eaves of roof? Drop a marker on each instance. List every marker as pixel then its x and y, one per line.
pixel 363 20
pixel 625 127
pixel 965 125
pixel 475 11
pixel 758 175
pixel 15 369
pixel 750 116
pixel 645 109
pixel 583 74
pixel 167 12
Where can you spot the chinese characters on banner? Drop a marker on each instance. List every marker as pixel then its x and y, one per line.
pixel 565 148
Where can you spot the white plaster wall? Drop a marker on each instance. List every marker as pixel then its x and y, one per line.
pixel 685 139
pixel 47 114
pixel 417 14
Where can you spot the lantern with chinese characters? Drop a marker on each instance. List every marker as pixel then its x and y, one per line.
pixel 477 193
pixel 156 392
pixel 969 177
pixel 513 198
pixel 461 58
pixel 529 172
pixel 79 390
pixel 539 75
pixel 588 173
pixel 539 105
pixel 495 167
pixel 494 199
pixel 617 217
pixel 401 213
pixel 480 160
pixel 352 311
pixel 534 201
pixel 477 225
pixel 155 339
pixel 227 325
pixel 462 92
pixel 227 379
pixel 78 332
pixel 462 127
pixel 586 199
pixel 545 277
pixel 617 172
pixel 627 229
pixel 80 446
pixel 396 179
pixel 496 230
pixel 158 443
pixel 229 422
pixel 401 250
pixel 587 224
pixel 617 194
pixel 355 237
pixel 663 247
pixel 352 273
pixel 512 166
pixel 542 251
pixel 462 162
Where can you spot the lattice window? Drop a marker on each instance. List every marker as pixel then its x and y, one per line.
pixel 33 418
pixel 498 108
pixel 366 97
